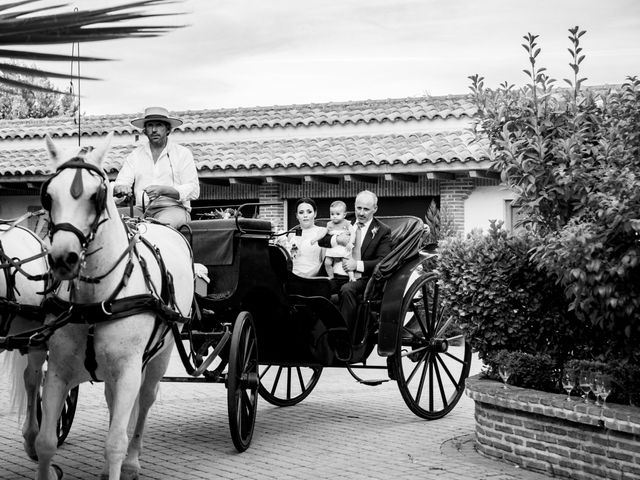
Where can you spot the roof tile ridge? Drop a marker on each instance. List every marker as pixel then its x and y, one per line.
pixel 18 121
pixel 297 106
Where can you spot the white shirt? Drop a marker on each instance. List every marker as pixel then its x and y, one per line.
pixel 364 228
pixel 307 258
pixel 175 168
pixel 359 263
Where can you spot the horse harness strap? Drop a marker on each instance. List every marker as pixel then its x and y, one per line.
pixel 115 308
pixel 94 313
pixel 129 251
pixel 9 307
pixel 77 187
pixel 37 337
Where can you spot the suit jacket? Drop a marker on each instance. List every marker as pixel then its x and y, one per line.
pixel 376 244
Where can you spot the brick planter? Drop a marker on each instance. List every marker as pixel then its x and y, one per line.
pixel 544 432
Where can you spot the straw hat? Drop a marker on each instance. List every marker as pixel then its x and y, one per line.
pixel 158 114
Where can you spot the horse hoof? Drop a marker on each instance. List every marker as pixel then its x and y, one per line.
pixel 58 471
pixel 31 451
pixel 129 473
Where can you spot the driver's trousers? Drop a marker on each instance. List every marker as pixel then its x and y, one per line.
pixel 174 216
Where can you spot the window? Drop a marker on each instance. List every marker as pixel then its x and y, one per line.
pixel 512 217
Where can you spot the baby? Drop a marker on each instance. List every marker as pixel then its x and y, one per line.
pixel 338 224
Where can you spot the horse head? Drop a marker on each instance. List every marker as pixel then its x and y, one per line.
pixel 76 199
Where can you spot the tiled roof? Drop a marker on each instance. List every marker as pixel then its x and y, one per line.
pixel 335 113
pixel 235 158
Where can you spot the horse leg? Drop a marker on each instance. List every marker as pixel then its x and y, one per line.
pixel 53 396
pixel 32 382
pixel 148 392
pixel 122 393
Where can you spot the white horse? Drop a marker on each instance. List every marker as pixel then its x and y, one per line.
pixel 21 257
pixel 101 262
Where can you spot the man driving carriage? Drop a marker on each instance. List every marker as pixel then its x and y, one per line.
pixel 372 244
pixel 161 172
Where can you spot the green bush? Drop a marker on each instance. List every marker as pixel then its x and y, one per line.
pixel 540 372
pixel 527 370
pixel 572 156
pixel 502 301
pixel 626 378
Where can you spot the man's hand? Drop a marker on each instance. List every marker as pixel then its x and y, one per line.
pixel 121 190
pixel 343 239
pixel 349 264
pixel 121 193
pixel 155 191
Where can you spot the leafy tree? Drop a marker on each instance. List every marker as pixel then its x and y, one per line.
pixel 23 102
pixel 573 157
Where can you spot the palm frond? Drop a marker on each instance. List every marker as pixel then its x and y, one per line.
pixel 31 26
pixel 45 57
pixel 29 86
pixel 34 72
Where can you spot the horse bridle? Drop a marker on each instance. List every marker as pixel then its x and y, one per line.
pixel 77 188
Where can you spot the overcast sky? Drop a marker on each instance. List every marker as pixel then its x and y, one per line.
pixel 245 53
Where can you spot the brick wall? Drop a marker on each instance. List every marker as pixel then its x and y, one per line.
pixel 544 432
pixel 453 193
pixel 270 192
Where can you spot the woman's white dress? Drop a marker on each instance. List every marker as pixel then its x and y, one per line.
pixel 307 258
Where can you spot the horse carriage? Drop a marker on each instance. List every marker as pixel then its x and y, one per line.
pixel 287 328
pixel 255 326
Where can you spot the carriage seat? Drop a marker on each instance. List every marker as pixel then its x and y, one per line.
pixel 212 240
pixel 309 286
pixel 401 227
pixel 282 266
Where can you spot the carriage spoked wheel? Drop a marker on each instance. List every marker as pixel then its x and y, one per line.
pixel 242 381
pixel 66 416
pixel 432 358
pixel 285 386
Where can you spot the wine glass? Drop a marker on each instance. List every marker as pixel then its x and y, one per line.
pixel 569 382
pixel 504 373
pixel 585 381
pixel 603 387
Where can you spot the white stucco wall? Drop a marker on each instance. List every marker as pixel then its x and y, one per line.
pixel 484 204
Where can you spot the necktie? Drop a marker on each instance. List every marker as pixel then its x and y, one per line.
pixel 357 254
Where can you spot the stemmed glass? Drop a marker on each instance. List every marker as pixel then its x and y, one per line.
pixel 504 373
pixel 569 382
pixel 585 381
pixel 603 387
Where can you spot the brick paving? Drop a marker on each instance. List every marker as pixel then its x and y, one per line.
pixel 343 430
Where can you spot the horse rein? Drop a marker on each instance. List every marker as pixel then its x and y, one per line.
pixel 10 266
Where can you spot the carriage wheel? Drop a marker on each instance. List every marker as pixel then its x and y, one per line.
pixel 66 416
pixel 286 386
pixel 432 358
pixel 242 381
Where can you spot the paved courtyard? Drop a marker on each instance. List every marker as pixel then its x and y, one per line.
pixel 343 430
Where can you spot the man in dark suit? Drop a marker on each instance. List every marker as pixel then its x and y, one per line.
pixel 372 244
